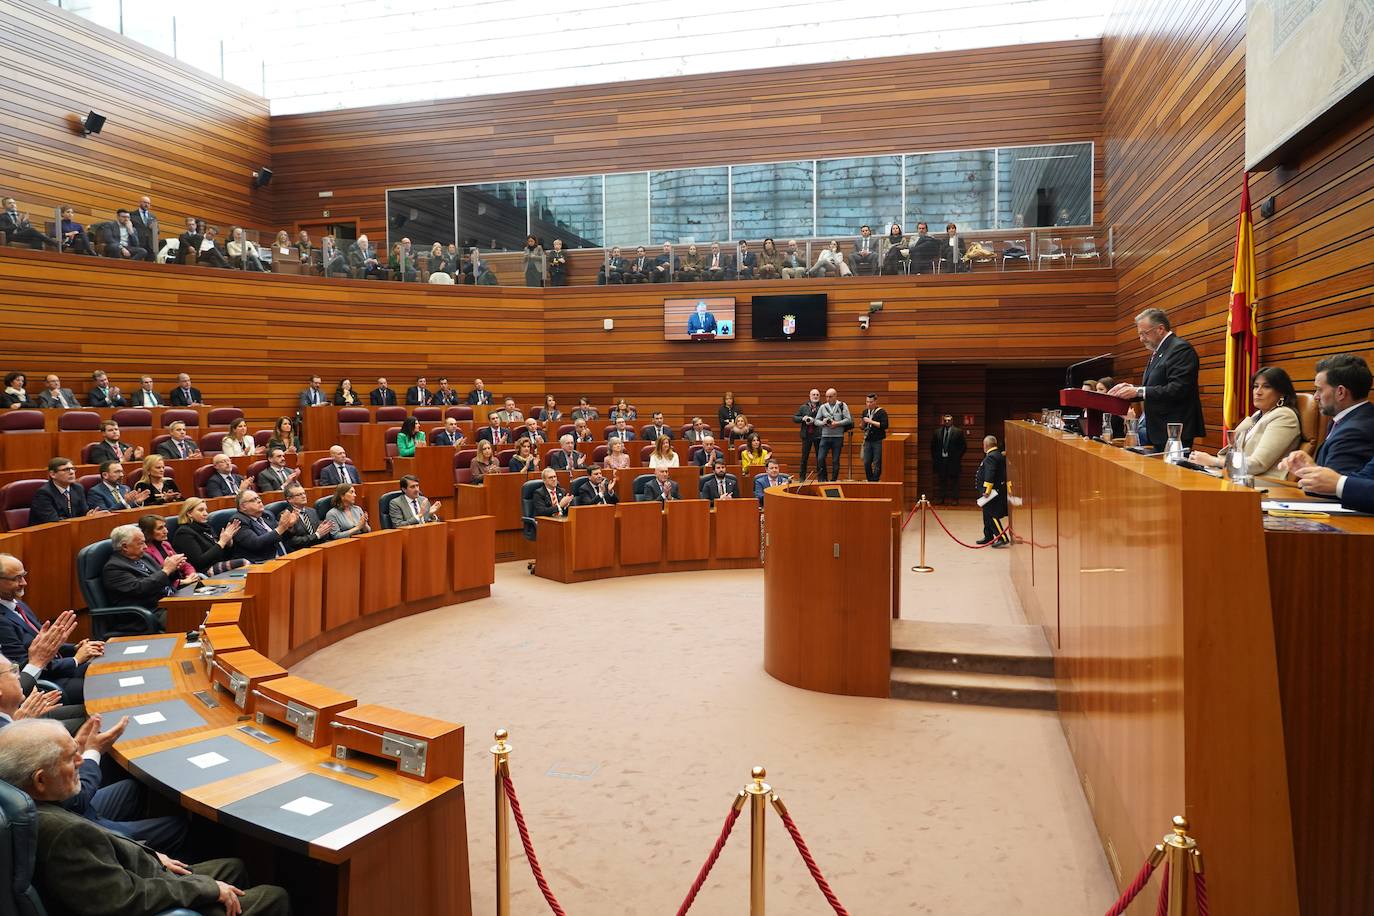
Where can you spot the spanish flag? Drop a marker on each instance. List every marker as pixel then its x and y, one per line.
pixel 1242 334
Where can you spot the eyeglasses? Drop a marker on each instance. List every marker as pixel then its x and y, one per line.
pixel 19 575
pixel 14 668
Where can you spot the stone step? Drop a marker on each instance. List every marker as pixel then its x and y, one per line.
pixel 1017 650
pixel 974 689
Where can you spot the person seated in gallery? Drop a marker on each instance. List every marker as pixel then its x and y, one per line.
pixel 244 254
pixel 692 266
pixel 770 261
pixel 717 266
pixel 640 267
pixel 189 240
pixel 526 459
pixel 209 254
pixel 666 265
pixel 332 260
pixel 73 235
pixel 865 253
pixel 613 270
pixel 118 238
pixel 924 250
pixel 898 251
pixel 793 262
pixel 16 395
pixel 738 430
pixel 17 227
pixel 344 396
pixel 1268 434
pixel 477 272
pixel 102 393
pixel 362 259
pixel 584 410
pixel 745 262
pixel 830 263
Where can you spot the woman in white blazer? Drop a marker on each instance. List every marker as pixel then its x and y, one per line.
pixel 1270 433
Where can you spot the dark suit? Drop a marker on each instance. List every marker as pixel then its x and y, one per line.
pixel 713 488
pixel 415 396
pixel 107 237
pixel 744 266
pixel 993 471
pixel 1350 444
pixel 105 397
pixel 18 229
pixel 1357 494
pixel 443 438
pixel 651 433
pixel 558 460
pixel 448 398
pixel 627 436
pixel 331 476
pixel 494 436
pixel 477 398
pixel 140 583
pixel 270 479
pixel 362 261
pixel 379 397
pixel 171 451
pixel 257 540
pixel 589 495
pixel 761 483
pixel 700 323
pixel 543 505
pixel 1170 390
pixel 616 272
pixel 104 450
pixel 48 399
pixel 665 266
pixel 638 271
pixel 654 493
pixel 141 398
pixel 302 534
pixel 188 242
pixel 181 397
pixel 706 459
pixel 100 497
pixel 947 447
pixel 925 251
pixel 147 229
pixel 312 397
pixel 218 486
pixel 83 869
pixel 18 627
pixel 48 505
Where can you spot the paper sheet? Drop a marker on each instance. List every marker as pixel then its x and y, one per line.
pixel 150 718
pixel 131 681
pixel 306 806
pixel 207 760
pixel 135 650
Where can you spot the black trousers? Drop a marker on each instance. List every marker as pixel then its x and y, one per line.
pixel 31 236
pixel 992 511
pixel 808 446
pixel 873 459
pixel 947 479
pixel 829 445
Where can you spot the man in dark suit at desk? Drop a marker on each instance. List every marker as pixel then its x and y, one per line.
pixel 184 395
pixel 550 500
pixel 412 507
pixel 1341 389
pixel 865 251
pixel 54 395
pixel 662 488
pixel 102 394
pixel 111 494
pixel 180 445
pixel 494 432
pixel 451 435
pixel 276 475
pixel 745 262
pixel 61 497
pixel 64 664
pixel 109 448
pixel 640 267
pixel 770 478
pixel 1169 386
pixel 701 321
pixel 992 479
pixel 382 395
pixel 666 265
pixel 130 578
pixel 923 250
pixel 947 447
pixel 313 395
pixel 652 432
pixel 446 396
pixel 598 490
pixel 706 455
pixel 145 396
pixel 190 240
pixel 17 227
pixel 567 457
pixel 362 259
pixel 259 537
pixel 308 530
pixel 479 395
pixel 419 393
pixel 225 481
pixel 83 861
pixel 338 470
pixel 720 485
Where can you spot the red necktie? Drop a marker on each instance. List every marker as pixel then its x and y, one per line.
pixel 24 613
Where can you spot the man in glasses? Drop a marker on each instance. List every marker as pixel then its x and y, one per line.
pixel 60 498
pixel 40 648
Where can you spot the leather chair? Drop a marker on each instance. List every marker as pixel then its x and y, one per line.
pixel 15 498
pixel 261 437
pixel 190 417
pixel 384 508
pixel 389 437
pixel 644 453
pixel 200 478
pixel 462 465
pixel 350 418
pixel 701 485
pixel 504 456
pixel 79 420
pixel 391 414
pixel 579 485
pixel 323 505
pixel 133 417
pixel 428 414
pixel 1311 421
pixel 86 452
pixel 210 443
pixel 529 529
pixel 18 851
pixel 600 452
pixel 684 430
pixel 107 619
pixel 256 468
pixel 567 429
pixel 278 507
pixel 223 416
pixel 318 466
pixel 21 422
pixel 86 481
pixel 219 518
pixel 458 413
pixel 641 481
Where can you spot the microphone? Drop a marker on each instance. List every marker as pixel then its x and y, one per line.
pixel 1068 373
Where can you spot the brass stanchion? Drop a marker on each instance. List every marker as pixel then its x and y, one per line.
pixel 921 566
pixel 758 809
pixel 1181 850
pixel 501 758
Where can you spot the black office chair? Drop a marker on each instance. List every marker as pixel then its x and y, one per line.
pixel 107 620
pixel 219 518
pixel 323 505
pixel 278 507
pixel 701 485
pixel 642 481
pixel 384 509
pixel 527 507
pixel 578 486
pixel 19 849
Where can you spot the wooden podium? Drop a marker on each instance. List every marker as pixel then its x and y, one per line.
pixel 1093 405
pixel 319 427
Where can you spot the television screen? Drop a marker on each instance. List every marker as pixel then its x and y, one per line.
pixel 799 317
pixel 699 318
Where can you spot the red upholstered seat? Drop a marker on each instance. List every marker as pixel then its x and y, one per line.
pixel 504 456
pixel 78 419
pixel 458 413
pixel 223 416
pixel 15 497
pixel 189 417
pixel 390 414
pixel 462 465
pixel 260 437
pixel 15 421
pixel 210 442
pixel 567 429
pixel 428 414
pixel 134 417
pixel 392 450
pixel 202 474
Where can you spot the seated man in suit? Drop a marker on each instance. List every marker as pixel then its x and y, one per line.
pixel 706 456
pixel 1341 387
pixel 662 488
pixel 362 259
pixel 720 485
pixel 773 477
pixel 698 432
pixel 109 448
pixel 60 498
pixel 111 494
pixel 259 537
pixel 276 475
pixel 419 393
pixel 550 499
pixel 209 254
pixel 130 578
pixel 494 432
pixel 183 395
pixel 622 431
pixel 102 394
pixel 479 395
pixel 412 507
pixel 17 227
pixel 924 250
pixel 511 414
pixel 716 266
pixel 44 648
pixel 865 252
pixel 701 321
pixel 338 470
pixel 567 458
pixel 666 265
pixel 658 428
pixel 613 271
pixel 382 395
pixel 64 663
pixel 639 268
pixel 190 240
pixel 451 434
pixel 225 481
pixel 180 445
pixel 145 396
pixel 88 869
pixel 599 490
pixel 745 262
pixel 308 531
pixel 531 431
pixel 446 396
pixel 54 395
pixel 312 396
pixel 581 432
pixel 584 411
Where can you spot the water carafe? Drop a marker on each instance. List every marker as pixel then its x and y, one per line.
pixel 1173 449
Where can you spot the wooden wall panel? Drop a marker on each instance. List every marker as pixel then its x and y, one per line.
pixel 188 140
pixel 1174 123
pixel 955 100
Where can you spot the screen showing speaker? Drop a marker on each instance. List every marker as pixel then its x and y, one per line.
pixel 796 317
pixel 699 318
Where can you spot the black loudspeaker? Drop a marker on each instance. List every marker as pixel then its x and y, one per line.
pixel 262 177
pixel 92 123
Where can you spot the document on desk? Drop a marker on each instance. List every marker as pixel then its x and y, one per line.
pixel 1283 505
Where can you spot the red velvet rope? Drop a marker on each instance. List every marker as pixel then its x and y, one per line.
pixel 1129 895
pixel 1162 909
pixel 1200 885
pixel 1006 533
pixel 529 848
pixel 811 864
pixel 710 861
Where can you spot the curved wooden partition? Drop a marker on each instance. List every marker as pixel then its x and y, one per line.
pixel 830 586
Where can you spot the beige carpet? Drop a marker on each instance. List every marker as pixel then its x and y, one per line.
pixel 638 705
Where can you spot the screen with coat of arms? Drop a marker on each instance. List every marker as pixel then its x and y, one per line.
pixel 797 317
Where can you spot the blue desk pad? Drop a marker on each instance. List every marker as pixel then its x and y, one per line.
pixel 306 807
pixel 159 718
pixel 202 762
pixel 128 683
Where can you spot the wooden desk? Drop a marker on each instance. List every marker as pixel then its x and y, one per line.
pixel 319 426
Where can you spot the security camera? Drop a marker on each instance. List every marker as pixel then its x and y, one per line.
pixel 863 322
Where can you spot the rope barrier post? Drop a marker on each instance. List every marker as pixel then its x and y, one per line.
pixel 921 566
pixel 758 809
pixel 501 758
pixel 1179 848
